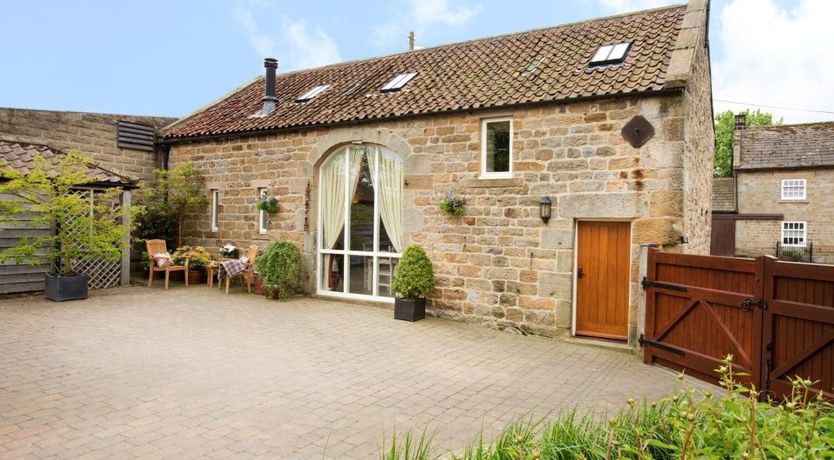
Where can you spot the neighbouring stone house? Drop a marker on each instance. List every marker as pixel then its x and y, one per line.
pixel 611 119
pixel 778 201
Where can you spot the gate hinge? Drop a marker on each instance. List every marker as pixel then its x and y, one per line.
pixel 647 283
pixel 643 341
pixel 763 304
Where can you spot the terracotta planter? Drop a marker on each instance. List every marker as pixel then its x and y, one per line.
pixel 196 277
pixel 259 287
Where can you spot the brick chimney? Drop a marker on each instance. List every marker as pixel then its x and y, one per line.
pixel 270 64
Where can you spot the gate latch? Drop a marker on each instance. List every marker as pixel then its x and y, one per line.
pixel 763 304
pixel 647 283
pixel 644 342
pixel 747 305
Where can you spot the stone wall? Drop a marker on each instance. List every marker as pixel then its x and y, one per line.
pixel 91 133
pixel 699 134
pixel 723 194
pixel 760 192
pixel 498 264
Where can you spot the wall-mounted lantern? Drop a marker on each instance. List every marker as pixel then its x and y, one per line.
pixel 544 208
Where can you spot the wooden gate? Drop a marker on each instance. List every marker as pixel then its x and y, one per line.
pixel 799 324
pixel 776 318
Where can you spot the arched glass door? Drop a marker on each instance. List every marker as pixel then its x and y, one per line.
pixel 360 235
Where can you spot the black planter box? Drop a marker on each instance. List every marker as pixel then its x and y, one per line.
pixel 63 288
pixel 409 309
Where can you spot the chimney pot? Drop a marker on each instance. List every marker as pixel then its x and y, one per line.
pixel 270 64
pixel 741 121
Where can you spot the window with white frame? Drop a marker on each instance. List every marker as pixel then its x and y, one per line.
pixel 497 148
pixel 793 234
pixel 215 208
pixel 261 212
pixel 793 189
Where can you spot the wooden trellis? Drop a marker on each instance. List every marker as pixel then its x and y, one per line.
pixel 103 273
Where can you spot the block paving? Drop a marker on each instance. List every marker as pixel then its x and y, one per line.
pixel 144 373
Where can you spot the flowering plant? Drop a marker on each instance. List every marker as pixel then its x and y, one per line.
pixel 452 204
pixel 198 257
pixel 229 251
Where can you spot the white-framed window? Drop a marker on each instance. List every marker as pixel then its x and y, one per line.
pixel 497 148
pixel 793 189
pixel 261 212
pixel 794 233
pixel 215 210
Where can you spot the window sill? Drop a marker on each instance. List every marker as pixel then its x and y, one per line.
pixel 483 182
pixel 784 201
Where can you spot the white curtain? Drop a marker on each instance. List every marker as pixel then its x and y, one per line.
pixel 389 183
pixel 333 192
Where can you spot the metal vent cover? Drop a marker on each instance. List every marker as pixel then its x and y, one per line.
pixel 136 136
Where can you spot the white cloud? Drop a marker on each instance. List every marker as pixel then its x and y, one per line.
pixel 293 42
pixel 776 56
pixel 420 16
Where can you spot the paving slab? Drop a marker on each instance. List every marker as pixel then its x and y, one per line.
pixel 188 373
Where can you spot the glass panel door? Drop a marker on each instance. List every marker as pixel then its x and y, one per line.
pixel 361 200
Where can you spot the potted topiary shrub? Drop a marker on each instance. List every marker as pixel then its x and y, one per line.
pixel 279 268
pixel 83 228
pixel 413 280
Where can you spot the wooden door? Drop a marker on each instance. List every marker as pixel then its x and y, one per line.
pixel 602 279
pixel 723 236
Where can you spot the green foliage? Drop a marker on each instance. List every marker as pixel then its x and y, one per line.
pixel 198 257
pixel 280 268
pixel 725 123
pixel 415 275
pixel 176 191
pixel 407 447
pixel 156 221
pixel 268 204
pixel 50 194
pixel 684 425
pixel 452 204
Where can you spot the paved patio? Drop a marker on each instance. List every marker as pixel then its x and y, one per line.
pixel 139 372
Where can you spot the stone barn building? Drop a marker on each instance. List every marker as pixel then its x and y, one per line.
pixel 609 119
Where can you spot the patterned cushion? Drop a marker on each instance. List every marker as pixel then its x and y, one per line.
pixel 163 259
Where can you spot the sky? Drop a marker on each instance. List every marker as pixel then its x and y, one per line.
pixel 173 57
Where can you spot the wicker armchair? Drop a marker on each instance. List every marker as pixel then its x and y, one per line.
pixel 159 247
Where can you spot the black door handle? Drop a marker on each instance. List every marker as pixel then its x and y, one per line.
pixel 580 273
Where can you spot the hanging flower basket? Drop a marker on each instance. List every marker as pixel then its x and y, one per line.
pixel 268 204
pixel 452 204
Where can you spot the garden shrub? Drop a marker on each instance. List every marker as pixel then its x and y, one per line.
pixel 415 275
pixel 279 267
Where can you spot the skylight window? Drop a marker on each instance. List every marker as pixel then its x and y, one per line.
pixel 610 54
pixel 312 93
pixel 398 82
